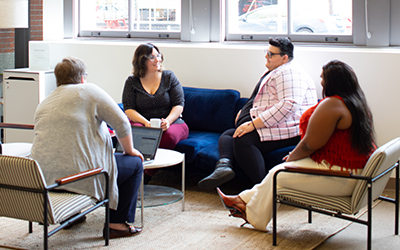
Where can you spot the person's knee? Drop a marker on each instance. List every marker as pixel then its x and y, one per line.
pixel 137 162
pixel 169 141
pixel 226 137
pixel 173 135
pixel 129 162
pixel 242 143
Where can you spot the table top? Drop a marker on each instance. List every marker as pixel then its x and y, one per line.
pixel 165 158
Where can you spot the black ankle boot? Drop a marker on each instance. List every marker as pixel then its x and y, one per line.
pixel 223 173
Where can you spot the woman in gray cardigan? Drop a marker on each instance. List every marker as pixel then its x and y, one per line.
pixel 71 136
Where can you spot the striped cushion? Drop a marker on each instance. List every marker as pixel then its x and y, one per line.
pixel 67 204
pixel 21 172
pixel 360 193
pixel 333 203
pixel 22 205
pixel 383 158
pixel 25 205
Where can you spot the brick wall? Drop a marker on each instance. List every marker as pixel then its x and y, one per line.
pixel 6 40
pixel 7 45
pixel 36 20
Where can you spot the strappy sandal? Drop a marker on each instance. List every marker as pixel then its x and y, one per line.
pixel 235 210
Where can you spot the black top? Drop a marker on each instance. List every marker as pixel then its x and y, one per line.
pixel 245 113
pixel 159 105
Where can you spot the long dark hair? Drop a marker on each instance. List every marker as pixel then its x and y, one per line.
pixel 340 79
pixel 140 58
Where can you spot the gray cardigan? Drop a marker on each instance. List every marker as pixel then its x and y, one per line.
pixel 71 136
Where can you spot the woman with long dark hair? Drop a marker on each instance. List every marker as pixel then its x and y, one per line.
pixel 337 134
pixel 152 92
pixel 155 93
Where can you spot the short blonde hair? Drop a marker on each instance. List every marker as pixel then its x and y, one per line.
pixel 69 71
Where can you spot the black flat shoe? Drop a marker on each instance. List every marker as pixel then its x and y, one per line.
pixel 220 176
pixel 223 173
pixel 129 232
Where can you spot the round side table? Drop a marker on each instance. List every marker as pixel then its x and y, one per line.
pixel 155 195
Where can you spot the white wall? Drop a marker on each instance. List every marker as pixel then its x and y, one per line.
pixel 53 20
pixel 239 67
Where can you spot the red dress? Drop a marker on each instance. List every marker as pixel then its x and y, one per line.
pixel 338 150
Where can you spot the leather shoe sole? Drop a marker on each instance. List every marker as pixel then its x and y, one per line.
pixel 215 180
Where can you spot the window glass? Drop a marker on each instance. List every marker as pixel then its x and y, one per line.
pixel 321 16
pixel 143 15
pixel 327 17
pixel 104 14
pixel 156 15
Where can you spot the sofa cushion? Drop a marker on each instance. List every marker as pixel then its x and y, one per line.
pixel 207 158
pixel 196 141
pixel 211 110
pixel 240 103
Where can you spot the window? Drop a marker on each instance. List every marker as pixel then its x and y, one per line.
pixel 311 20
pixel 135 18
pixel 358 22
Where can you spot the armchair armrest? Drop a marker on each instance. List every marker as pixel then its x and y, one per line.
pixel 78 176
pixel 16 125
pixel 318 171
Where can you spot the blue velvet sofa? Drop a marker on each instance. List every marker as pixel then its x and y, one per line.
pixel 208 113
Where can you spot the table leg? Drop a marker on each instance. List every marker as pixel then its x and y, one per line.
pixel 142 198
pixel 183 183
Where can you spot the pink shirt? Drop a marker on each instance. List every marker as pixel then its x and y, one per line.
pixel 284 95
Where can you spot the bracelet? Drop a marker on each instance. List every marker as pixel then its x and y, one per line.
pixel 253 124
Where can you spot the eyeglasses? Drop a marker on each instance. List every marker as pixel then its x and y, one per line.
pixel 271 54
pixel 85 74
pixel 153 58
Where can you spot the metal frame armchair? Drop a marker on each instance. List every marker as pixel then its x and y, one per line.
pixel 24 195
pixel 369 187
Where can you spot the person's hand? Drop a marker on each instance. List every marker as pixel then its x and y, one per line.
pixel 285 158
pixel 164 124
pixel 136 152
pixel 148 124
pixel 243 129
